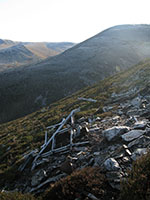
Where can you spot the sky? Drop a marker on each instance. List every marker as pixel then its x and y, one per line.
pixel 67 20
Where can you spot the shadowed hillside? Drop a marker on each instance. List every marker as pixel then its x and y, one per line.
pixel 25 90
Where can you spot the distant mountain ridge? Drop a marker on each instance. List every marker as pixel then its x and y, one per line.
pixel 25 90
pixel 14 54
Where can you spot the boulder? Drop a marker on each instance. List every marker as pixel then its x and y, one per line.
pixel 115 131
pixel 111 165
pixel 131 135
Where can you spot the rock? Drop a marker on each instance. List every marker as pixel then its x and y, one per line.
pixel 111 164
pixel 113 175
pixel 114 179
pixel 115 131
pixel 126 159
pixel 141 141
pixel 116 118
pixel 115 184
pixel 49 180
pixel 98 118
pixel 132 112
pixel 136 102
pixel 96 153
pixel 138 152
pixel 38 177
pixel 128 153
pixel 107 108
pixel 140 125
pixel 78 149
pixel 82 119
pixel 131 135
pixel 124 146
pixel 94 129
pixel 120 112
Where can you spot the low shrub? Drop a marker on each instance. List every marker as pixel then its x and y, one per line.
pixel 16 196
pixel 79 184
pixel 137 185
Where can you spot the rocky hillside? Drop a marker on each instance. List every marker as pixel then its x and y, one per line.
pixel 15 54
pixel 110 131
pixel 25 90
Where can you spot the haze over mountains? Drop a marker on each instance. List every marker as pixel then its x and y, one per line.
pixel 14 54
pixel 25 90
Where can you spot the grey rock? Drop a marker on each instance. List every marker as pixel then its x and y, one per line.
pixel 138 152
pixel 115 131
pixel 115 184
pixel 136 102
pixel 113 175
pixel 94 129
pixel 141 141
pixel 111 165
pixel 132 112
pixel 98 118
pixel 131 135
pixel 126 159
pixel 96 153
pixel 38 177
pixel 128 153
pixel 140 125
pixel 107 108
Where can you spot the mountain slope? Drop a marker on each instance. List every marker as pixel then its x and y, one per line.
pixel 114 95
pixel 25 90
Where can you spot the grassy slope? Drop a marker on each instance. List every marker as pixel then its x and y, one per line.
pixel 27 133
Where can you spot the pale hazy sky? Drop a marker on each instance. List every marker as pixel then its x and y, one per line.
pixel 67 20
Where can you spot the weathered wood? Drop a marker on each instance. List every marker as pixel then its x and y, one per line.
pixel 53 143
pixel 55 151
pixel 87 99
pixel 45 137
pixel 81 143
pixel 45 140
pixel 55 125
pixel 64 148
pixel 72 120
pixel 64 130
pixel 60 127
pixel 28 158
pixel 71 138
pixel 78 131
pixel 90 195
pixel 64 121
pixel 53 179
